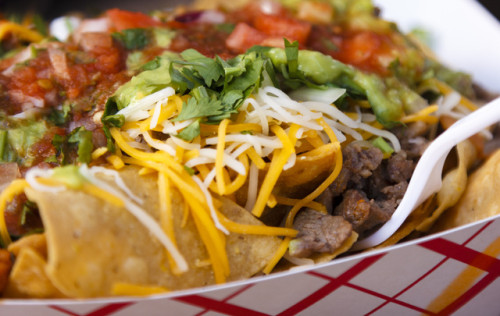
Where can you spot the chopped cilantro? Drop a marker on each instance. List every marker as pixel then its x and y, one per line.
pixel 60 117
pixel 190 132
pixel 225 27
pixel 40 24
pixel 381 144
pixel 203 107
pixel 151 65
pixel 217 87
pixel 189 170
pixel 83 138
pixel 207 68
pixel 110 119
pixel 28 208
pixel 292 57
pixel 59 143
pixel 4 146
pixel 132 38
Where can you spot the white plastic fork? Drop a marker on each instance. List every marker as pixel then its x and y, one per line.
pixel 427 176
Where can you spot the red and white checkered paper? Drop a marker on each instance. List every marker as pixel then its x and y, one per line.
pixel 400 280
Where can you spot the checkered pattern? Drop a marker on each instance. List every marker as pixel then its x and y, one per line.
pixel 408 280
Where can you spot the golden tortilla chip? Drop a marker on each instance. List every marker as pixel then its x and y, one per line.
pixel 28 278
pixel 93 245
pixel 454 183
pixel 409 226
pixel 37 242
pixel 310 169
pixel 425 215
pixel 480 200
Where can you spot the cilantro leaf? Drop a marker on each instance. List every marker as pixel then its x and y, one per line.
pixel 190 132
pixel 189 170
pixel 83 138
pixel 194 108
pixel 217 87
pixel 60 117
pixel 152 64
pixel 251 76
pixel 292 57
pixel 209 69
pixel 132 38
pixel 5 151
pixel 109 119
pixel 59 142
pixel 232 68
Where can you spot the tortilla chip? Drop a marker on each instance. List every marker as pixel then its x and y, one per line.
pixel 454 183
pixel 480 200
pixel 310 169
pixel 93 245
pixel 37 242
pixel 409 226
pixel 28 278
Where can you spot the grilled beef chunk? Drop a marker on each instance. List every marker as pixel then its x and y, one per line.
pixel 318 232
pixel 361 212
pixel 368 189
pixel 413 139
pixel 365 194
pixel 359 164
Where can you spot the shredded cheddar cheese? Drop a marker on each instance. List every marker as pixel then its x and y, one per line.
pixel 446 89
pixel 220 157
pixel 129 289
pixel 18 30
pixel 264 138
pixel 291 202
pixel 277 164
pixel 99 152
pixel 166 220
pixel 256 229
pixel 423 115
pixel 115 161
pixel 102 194
pixel 277 256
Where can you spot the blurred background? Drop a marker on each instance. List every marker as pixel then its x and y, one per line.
pixel 54 8
pixel 493 6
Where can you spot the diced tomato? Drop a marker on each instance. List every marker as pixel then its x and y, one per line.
pixel 122 20
pixel 367 50
pixel 108 59
pixel 243 37
pixel 276 25
pixel 256 8
pixel 360 47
